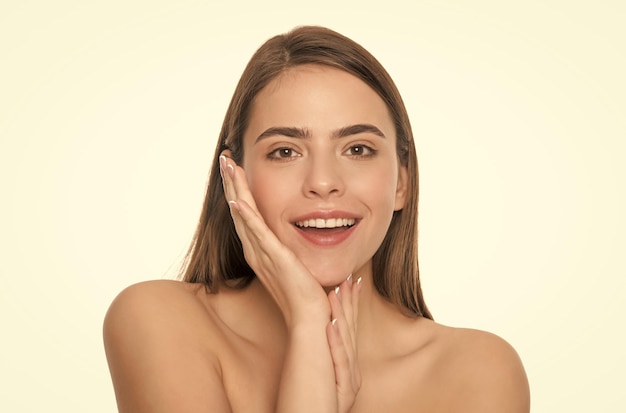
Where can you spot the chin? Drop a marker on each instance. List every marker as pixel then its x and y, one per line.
pixel 331 270
pixel 330 278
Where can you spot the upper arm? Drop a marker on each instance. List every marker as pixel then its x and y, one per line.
pixel 157 358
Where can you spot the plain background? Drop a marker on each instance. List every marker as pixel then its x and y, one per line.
pixel 108 116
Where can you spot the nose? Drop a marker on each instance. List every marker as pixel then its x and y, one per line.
pixel 323 178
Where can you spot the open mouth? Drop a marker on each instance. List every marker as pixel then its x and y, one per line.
pixel 326 232
pixel 326 223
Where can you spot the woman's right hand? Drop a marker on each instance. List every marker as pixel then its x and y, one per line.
pixel 324 362
pixel 298 294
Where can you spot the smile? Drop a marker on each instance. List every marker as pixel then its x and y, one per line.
pixel 326 223
pixel 326 232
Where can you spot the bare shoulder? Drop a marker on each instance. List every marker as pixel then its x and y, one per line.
pixel 165 294
pixel 159 343
pixel 155 307
pixel 484 369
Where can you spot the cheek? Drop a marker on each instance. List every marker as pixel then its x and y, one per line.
pixel 379 187
pixel 270 192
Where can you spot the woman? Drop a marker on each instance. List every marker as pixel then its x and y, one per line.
pixel 301 289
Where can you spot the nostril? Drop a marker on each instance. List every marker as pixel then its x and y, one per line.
pixel 322 188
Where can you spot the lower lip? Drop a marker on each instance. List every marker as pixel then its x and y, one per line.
pixel 326 238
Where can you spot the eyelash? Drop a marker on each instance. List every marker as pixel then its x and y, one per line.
pixel 277 154
pixel 369 151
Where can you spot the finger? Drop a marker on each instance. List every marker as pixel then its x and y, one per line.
pixel 341 324
pixel 251 243
pixel 341 362
pixel 345 370
pixel 236 182
pixel 262 242
pixel 346 296
pixel 241 228
pixel 227 171
pixel 229 190
pixel 356 293
pixel 251 228
pixel 348 293
pixel 240 225
pixel 255 226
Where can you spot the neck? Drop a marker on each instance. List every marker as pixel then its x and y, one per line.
pixel 383 329
pixel 378 324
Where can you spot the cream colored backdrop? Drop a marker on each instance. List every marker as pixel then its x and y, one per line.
pixel 108 116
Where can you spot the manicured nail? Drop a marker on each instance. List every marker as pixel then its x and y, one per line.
pixel 222 163
pixel 334 322
pixel 337 290
pixel 349 279
pixel 233 205
pixel 359 284
pixel 231 170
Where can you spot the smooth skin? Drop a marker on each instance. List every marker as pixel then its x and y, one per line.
pixel 291 341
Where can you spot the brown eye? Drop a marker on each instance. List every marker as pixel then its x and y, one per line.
pixel 283 154
pixel 360 151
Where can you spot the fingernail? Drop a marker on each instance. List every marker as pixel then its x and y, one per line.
pixel 231 170
pixel 233 205
pixel 334 322
pixel 222 162
pixel 337 290
pixel 349 279
pixel 358 282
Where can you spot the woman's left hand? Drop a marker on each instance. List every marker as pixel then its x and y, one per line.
pixel 341 332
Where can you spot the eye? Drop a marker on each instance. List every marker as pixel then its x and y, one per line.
pixel 284 153
pixel 360 151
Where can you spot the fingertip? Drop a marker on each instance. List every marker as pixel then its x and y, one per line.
pixel 334 335
pixel 234 205
pixel 332 331
pixel 225 166
pixel 242 207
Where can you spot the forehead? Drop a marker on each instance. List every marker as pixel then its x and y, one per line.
pixel 319 98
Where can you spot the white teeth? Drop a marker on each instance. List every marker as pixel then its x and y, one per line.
pixel 326 223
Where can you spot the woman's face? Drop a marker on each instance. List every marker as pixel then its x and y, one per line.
pixel 320 159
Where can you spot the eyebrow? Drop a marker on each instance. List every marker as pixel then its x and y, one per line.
pixel 357 129
pixel 303 133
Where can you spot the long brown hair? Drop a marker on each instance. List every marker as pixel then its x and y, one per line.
pixel 216 257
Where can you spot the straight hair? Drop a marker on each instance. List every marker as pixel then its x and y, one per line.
pixel 215 257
